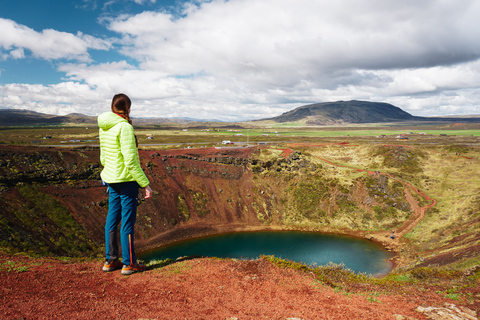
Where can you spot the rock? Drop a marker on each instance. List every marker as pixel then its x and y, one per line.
pixel 472 270
pixel 400 317
pixel 447 312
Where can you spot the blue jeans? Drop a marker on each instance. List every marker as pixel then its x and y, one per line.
pixel 122 206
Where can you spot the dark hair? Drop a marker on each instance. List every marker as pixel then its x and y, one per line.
pixel 121 104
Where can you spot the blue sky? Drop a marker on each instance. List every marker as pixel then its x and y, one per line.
pixel 239 59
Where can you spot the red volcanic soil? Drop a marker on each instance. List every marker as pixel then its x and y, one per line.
pixel 286 152
pixel 200 288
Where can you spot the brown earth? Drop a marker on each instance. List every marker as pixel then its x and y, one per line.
pixel 202 288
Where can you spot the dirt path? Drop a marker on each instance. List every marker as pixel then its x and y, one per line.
pixel 419 212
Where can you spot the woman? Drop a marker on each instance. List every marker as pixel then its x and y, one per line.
pixel 123 175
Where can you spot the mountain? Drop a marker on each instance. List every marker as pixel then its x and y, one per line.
pixel 326 113
pixel 11 117
pixel 345 112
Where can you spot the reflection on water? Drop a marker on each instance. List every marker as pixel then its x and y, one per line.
pixel 359 255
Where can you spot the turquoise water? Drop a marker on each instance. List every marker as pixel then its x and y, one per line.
pixel 359 255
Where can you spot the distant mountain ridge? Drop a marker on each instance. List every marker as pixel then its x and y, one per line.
pixel 318 114
pixel 345 112
pixel 12 117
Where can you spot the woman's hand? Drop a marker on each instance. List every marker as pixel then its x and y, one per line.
pixel 148 192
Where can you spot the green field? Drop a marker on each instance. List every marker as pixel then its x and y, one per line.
pixel 215 135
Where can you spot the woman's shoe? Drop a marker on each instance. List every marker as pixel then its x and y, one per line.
pixel 133 268
pixel 112 265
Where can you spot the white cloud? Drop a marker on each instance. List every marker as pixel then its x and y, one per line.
pixel 266 35
pixel 17 53
pixel 241 59
pixel 143 1
pixel 48 44
pixel 61 99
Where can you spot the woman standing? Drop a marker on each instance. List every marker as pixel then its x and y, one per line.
pixel 123 175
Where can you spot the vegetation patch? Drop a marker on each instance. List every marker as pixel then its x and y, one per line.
pixel 307 197
pixel 200 201
pixel 183 207
pixel 12 266
pixel 405 159
pixel 43 226
pixel 447 283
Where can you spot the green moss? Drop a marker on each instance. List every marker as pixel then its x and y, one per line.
pixel 11 266
pixel 183 207
pixel 457 148
pixel 332 275
pixel 46 227
pixel 406 159
pixel 200 201
pixel 307 196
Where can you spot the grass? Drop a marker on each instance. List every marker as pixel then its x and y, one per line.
pixel 439 281
pixel 215 134
pixel 269 154
pixel 12 266
pixel 330 132
pixel 454 181
pixel 47 227
pixel 371 299
pixel 174 266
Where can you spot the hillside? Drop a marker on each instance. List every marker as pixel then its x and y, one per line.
pixel 10 117
pixel 358 112
pixel 20 118
pixel 319 114
pixel 342 112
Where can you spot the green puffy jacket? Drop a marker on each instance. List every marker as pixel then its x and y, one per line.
pixel 118 151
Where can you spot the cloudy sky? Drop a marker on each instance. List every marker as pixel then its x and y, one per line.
pixel 239 59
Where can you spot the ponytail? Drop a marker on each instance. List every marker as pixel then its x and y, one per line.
pixel 121 104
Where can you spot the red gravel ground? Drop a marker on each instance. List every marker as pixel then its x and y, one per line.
pixel 201 288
